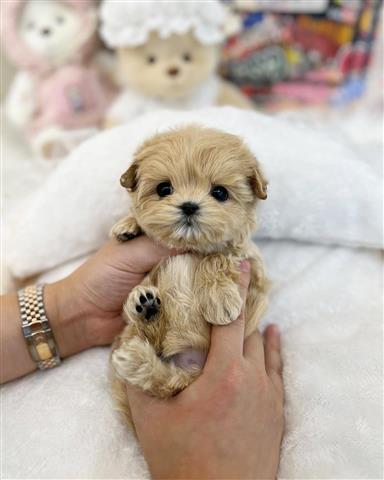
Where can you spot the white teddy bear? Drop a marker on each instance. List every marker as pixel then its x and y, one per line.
pixel 167 55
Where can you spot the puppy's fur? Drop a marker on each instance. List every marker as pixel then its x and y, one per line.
pixel 169 314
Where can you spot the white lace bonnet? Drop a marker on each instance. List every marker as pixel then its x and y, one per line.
pixel 126 23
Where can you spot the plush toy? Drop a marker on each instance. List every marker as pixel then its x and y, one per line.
pixel 59 95
pixel 167 54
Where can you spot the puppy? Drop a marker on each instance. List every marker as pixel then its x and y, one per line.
pixel 194 189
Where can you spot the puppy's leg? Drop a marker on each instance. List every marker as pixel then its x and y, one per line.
pixel 136 362
pixel 217 291
pixel 120 396
pixel 257 298
pixel 143 303
pixel 126 229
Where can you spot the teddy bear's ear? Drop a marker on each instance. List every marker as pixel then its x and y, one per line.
pixel 129 178
pixel 258 182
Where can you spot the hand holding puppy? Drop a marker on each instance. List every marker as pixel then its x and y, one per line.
pixel 84 309
pixel 226 424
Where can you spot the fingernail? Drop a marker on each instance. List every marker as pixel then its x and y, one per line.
pixel 245 266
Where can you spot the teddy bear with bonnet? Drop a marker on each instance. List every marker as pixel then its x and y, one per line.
pixel 167 55
pixel 59 95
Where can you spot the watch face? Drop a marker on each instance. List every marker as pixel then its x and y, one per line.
pixel 43 351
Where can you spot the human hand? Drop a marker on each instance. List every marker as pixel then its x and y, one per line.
pixel 85 308
pixel 228 424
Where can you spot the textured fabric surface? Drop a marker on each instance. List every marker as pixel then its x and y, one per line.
pixel 319 191
pixel 130 103
pixel 327 301
pixel 127 24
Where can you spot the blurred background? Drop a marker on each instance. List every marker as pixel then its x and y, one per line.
pixel 289 53
pixel 302 53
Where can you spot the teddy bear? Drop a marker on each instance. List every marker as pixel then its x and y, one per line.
pixel 167 54
pixel 59 95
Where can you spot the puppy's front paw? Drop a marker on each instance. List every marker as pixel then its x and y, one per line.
pixel 223 306
pixel 125 229
pixel 143 303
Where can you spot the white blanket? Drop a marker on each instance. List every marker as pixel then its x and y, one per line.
pixel 327 300
pixel 319 190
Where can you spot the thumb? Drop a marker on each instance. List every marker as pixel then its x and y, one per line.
pixel 139 255
pixel 228 340
pixel 143 406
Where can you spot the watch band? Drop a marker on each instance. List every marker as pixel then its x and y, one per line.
pixel 36 330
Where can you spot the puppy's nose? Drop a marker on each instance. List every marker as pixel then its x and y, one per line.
pixel 189 208
pixel 173 71
pixel 46 31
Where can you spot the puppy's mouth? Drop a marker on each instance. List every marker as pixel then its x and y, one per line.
pixel 188 222
pixel 187 228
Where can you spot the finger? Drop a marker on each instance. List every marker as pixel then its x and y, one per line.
pixel 137 398
pixel 106 337
pixel 273 361
pixel 254 349
pixel 141 404
pixel 139 255
pixel 228 340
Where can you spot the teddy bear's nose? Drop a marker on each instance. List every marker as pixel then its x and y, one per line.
pixel 173 71
pixel 46 31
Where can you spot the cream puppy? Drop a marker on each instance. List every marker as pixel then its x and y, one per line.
pixel 194 189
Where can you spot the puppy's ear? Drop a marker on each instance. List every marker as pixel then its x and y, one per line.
pixel 130 178
pixel 258 182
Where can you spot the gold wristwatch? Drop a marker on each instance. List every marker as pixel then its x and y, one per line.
pixel 36 329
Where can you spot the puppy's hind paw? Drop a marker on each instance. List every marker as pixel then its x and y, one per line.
pixel 133 361
pixel 136 362
pixel 125 229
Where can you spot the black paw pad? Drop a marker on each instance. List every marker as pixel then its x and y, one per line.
pixel 125 237
pixel 149 306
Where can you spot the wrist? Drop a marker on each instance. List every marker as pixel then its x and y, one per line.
pixel 66 317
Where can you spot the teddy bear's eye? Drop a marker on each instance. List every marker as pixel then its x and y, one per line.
pixel 219 193
pixel 187 57
pixel 151 59
pixel 60 20
pixel 164 189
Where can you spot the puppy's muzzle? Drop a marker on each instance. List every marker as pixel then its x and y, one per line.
pixel 189 208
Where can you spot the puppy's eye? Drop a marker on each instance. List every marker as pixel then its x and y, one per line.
pixel 60 20
pixel 151 59
pixel 187 57
pixel 164 189
pixel 219 193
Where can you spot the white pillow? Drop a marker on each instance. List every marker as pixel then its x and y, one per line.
pixel 318 191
